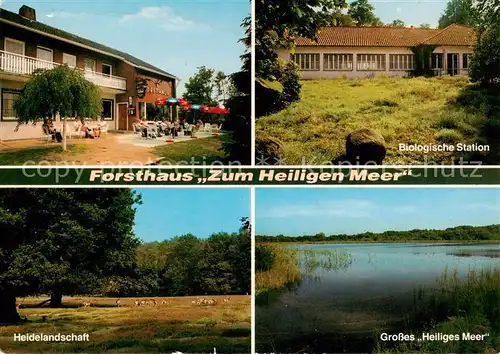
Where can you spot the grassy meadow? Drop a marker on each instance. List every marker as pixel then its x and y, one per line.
pixel 178 325
pixel 423 111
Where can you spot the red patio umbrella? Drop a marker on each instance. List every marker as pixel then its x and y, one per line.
pixel 219 110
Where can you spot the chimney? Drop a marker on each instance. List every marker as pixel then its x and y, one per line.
pixel 27 12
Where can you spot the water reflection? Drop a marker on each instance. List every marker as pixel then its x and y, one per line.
pixel 343 300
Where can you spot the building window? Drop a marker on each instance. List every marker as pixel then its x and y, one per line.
pixel 402 62
pixel 337 61
pixel 8 97
pixel 436 61
pixel 107 69
pixel 307 61
pixel 107 109
pixel 90 64
pixel 45 54
pixel 69 60
pixel 14 46
pixel 466 60
pixel 375 62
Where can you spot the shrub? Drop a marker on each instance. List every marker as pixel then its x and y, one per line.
pixel 264 258
pixel 485 63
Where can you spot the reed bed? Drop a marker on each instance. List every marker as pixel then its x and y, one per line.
pixel 458 305
pixel 291 265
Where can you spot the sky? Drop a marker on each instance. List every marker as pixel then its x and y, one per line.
pixel 411 12
pixel 308 211
pixel 174 35
pixel 169 212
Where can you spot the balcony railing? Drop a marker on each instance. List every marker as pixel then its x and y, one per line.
pixel 23 65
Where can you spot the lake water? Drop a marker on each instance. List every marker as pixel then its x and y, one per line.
pixel 330 308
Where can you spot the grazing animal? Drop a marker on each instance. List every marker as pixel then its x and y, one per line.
pixel 118 303
pixel 143 303
pixel 193 302
pixel 137 303
pixel 17 307
pixel 155 303
pixel 164 302
pixel 86 304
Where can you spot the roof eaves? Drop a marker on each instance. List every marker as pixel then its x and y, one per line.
pixel 87 47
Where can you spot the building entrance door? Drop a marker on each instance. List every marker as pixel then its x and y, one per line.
pixel 122 116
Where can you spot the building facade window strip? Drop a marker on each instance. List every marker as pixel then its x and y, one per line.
pixel 7 97
pixel 436 61
pixel 402 62
pixel 337 62
pixel 371 62
pixel 307 61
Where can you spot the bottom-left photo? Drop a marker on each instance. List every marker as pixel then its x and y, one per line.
pixel 121 270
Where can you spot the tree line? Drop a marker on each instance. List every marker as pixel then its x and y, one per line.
pixel 80 241
pixel 459 233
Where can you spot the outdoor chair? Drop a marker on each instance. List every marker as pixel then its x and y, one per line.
pixel 74 130
pixel 207 127
pixel 103 126
pixel 47 138
pixel 215 128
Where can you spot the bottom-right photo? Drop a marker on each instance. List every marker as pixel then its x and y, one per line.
pixel 377 270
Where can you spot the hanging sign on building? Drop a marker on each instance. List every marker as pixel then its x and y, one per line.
pixel 141 86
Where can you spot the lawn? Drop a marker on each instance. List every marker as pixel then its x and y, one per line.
pixel 46 154
pixel 192 152
pixel 446 110
pixel 178 325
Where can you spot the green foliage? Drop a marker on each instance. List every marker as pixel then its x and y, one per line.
pixel 459 233
pixel 485 63
pixel 425 25
pixel 264 258
pixel 457 11
pixel 187 265
pixel 62 241
pixel 60 90
pixel 270 100
pixel 237 146
pixel 362 12
pixel 276 24
pixel 397 23
pixel 423 54
pixel 202 87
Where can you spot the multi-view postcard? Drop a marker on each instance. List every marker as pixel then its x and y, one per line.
pixel 370 82
pixel 377 270
pixel 88 83
pixel 125 271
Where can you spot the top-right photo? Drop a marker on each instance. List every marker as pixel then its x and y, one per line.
pixel 377 82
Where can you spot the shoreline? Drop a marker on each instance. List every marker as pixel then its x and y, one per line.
pixel 493 242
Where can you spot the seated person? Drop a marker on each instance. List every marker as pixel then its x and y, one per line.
pixel 141 127
pixel 49 129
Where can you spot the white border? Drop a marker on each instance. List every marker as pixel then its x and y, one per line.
pixel 252 88
pixel 252 253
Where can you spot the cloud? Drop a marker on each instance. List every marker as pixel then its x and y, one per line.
pixel 62 14
pixel 350 208
pixel 483 206
pixel 163 16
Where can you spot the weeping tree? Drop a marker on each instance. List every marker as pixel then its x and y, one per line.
pixel 60 91
pixel 63 242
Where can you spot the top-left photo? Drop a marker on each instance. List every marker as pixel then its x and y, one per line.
pixel 125 83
